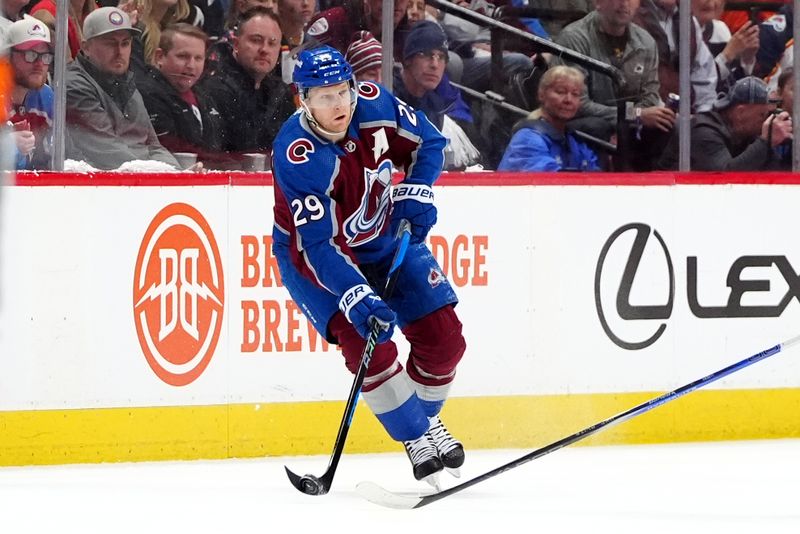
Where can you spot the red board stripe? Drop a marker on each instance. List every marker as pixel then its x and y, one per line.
pixel 128 179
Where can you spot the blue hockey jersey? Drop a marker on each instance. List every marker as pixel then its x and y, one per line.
pixel 332 199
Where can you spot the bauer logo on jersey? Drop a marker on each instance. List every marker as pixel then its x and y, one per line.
pixel 178 294
pixel 366 223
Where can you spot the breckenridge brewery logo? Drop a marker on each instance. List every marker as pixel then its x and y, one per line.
pixel 178 294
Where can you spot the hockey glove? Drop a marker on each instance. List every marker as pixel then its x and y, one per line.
pixel 362 306
pixel 414 202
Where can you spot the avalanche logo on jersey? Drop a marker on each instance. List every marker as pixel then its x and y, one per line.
pixel 366 223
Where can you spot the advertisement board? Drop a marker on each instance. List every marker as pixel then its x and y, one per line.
pixel 123 293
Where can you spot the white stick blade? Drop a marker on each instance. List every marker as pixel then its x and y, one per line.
pixel 377 495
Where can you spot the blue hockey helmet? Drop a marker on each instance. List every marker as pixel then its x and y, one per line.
pixel 319 67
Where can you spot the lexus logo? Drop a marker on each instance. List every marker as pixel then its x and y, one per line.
pixel 619 268
pixel 625 310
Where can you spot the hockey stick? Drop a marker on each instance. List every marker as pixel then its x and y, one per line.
pixel 378 495
pixel 309 484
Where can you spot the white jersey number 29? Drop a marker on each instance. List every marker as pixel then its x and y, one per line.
pixel 406 110
pixel 310 208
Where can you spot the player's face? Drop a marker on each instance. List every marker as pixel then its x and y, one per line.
pixel 331 107
pixel 183 64
pixel 30 75
pixel 561 99
pixel 427 68
pixel 258 46
pixel 111 52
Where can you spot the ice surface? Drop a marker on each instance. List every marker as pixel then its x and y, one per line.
pixel 730 487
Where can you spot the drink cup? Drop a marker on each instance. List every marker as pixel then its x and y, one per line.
pixel 254 162
pixel 185 159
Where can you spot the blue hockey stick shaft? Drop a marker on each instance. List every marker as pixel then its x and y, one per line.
pixel 602 425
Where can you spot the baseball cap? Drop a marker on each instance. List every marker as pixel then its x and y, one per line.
pixel 27 33
pixel 424 36
pixel 364 52
pixel 748 90
pixel 106 20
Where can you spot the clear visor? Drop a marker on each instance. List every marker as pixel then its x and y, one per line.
pixel 330 97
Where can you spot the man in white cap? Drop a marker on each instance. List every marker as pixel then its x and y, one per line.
pixel 107 122
pixel 31 107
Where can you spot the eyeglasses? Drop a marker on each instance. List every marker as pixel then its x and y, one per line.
pixel 432 55
pixel 30 56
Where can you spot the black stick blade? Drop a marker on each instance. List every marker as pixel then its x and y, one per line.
pixel 308 484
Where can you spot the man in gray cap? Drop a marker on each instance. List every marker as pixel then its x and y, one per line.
pixel 740 133
pixel 107 122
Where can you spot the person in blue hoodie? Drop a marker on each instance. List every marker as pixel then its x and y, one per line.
pixel 542 142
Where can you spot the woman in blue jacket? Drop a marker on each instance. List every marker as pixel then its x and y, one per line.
pixel 542 142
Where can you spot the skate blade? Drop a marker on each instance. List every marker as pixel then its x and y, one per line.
pixel 454 471
pixel 433 480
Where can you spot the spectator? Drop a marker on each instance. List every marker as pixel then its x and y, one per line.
pixel 365 57
pixel 543 142
pixel 7 146
pixel 735 56
pixel 734 19
pixel 785 93
pixel 31 53
pixel 45 10
pixel 184 117
pixel 154 15
pixel 609 34
pixel 221 52
pixel 238 7
pixel 660 18
pixel 336 26
pixel 472 43
pixel 774 37
pixel 212 16
pixel 107 123
pixel 12 10
pixel 739 134
pixel 554 25
pixel 253 102
pixel 294 15
pixel 420 85
pixel 417 11
pixel 786 90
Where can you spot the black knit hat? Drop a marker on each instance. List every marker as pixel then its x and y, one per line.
pixel 424 36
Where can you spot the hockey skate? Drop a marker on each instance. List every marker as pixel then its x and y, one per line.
pixel 450 450
pixel 424 459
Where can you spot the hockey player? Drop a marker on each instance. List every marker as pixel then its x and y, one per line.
pixel 334 238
